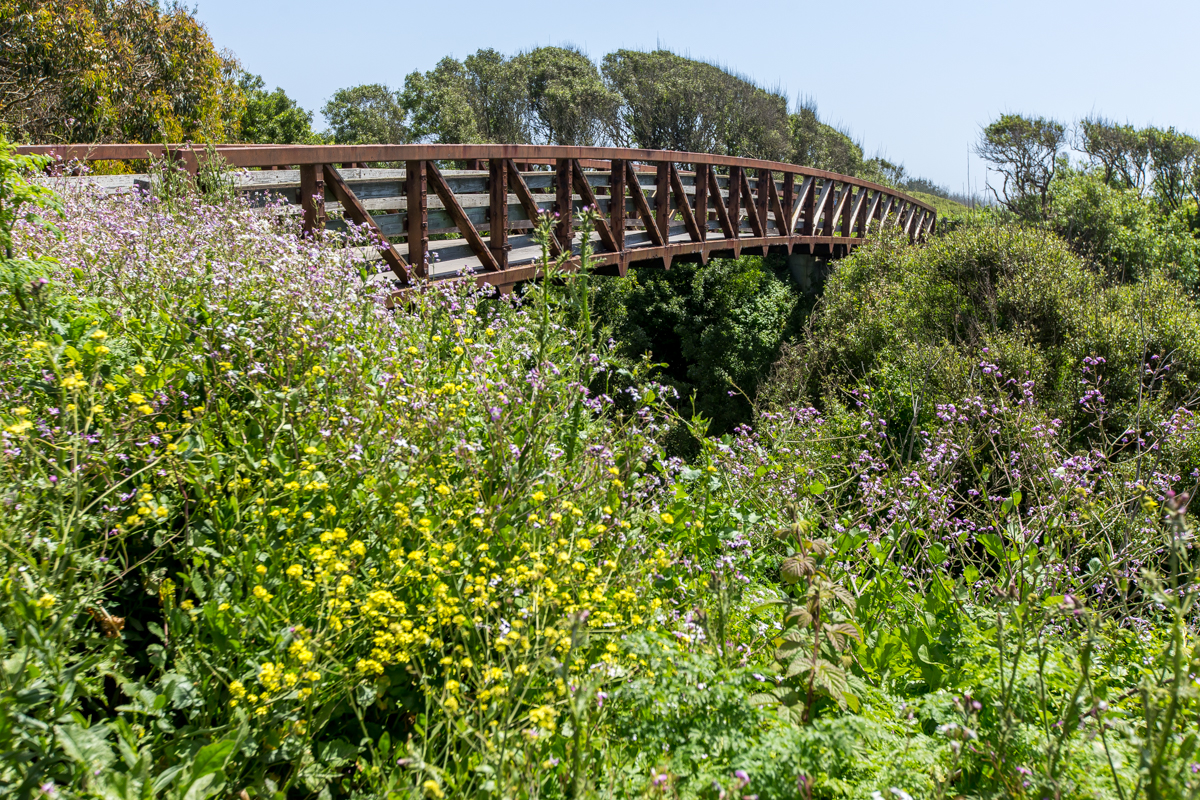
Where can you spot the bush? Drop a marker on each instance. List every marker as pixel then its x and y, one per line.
pixel 1123 233
pixel 716 329
pixel 916 324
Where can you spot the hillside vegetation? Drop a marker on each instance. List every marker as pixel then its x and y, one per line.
pixel 265 537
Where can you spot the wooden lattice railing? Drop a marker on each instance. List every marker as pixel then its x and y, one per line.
pixel 435 222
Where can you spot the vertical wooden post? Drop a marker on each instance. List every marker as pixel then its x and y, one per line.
pixel 563 205
pixel 789 203
pixel 735 201
pixel 763 199
pixel 662 199
pixel 312 197
pixel 702 199
pixel 418 216
pixel 616 202
pixel 847 209
pixel 473 163
pixel 498 211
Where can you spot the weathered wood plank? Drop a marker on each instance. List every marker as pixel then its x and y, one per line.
pixel 359 214
pixel 465 228
pixel 589 200
pixel 751 208
pixel 563 170
pixel 777 207
pixel 662 196
pixel 529 203
pixel 727 226
pixel 856 207
pixel 312 198
pixel 734 201
pixel 685 208
pixel 498 212
pixel 616 206
pixel 766 181
pixel 643 207
pixel 702 180
pixel 787 223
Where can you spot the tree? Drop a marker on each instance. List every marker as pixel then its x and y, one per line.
pixel 113 70
pixel 367 114
pixel 815 144
pixel 482 99
pixel 438 105
pixel 1120 150
pixel 498 91
pixel 1173 158
pixel 568 102
pixel 1025 151
pixel 669 102
pixel 272 117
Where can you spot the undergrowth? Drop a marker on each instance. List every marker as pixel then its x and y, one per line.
pixel 265 536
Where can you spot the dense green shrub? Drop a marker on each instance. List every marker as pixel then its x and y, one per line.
pixel 716 328
pixel 916 324
pixel 1123 233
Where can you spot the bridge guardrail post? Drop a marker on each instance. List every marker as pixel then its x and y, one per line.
pixel 312 198
pixel 563 205
pixel 734 204
pixel 616 206
pixel 416 191
pixel 498 211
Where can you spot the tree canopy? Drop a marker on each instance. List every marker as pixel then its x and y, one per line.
pixel 113 70
pixel 272 117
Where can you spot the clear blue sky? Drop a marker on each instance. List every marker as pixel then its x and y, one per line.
pixel 912 81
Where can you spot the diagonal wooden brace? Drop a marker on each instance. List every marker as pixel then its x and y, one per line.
pixel 354 209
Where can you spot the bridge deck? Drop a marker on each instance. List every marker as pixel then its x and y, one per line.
pixel 433 223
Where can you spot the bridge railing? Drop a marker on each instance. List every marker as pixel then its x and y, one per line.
pixel 654 206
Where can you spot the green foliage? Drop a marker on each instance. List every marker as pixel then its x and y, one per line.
pixel 367 114
pixel 1025 151
pixel 815 144
pixel 113 70
pixel 1174 158
pixel 1122 232
pixel 483 99
pixel 917 322
pixel 265 536
pixel 439 103
pixel 670 102
pixel 716 327
pixel 568 102
pixel 1121 151
pixel 272 117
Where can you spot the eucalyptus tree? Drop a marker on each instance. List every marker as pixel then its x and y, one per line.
pixel 671 102
pixel 366 114
pixel 568 102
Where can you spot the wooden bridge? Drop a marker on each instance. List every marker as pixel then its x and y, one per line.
pixel 435 222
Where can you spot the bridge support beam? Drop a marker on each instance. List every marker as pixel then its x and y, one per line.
pixel 807 271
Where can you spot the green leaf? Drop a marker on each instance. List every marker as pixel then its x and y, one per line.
pixel 992 543
pixel 212 757
pixel 937 554
pixel 86 746
pixel 816 487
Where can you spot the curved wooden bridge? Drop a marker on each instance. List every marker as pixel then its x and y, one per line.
pixel 436 222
